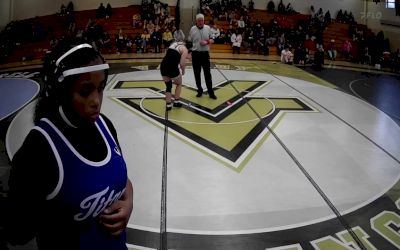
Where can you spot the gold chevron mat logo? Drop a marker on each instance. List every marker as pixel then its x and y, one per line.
pixel 229 129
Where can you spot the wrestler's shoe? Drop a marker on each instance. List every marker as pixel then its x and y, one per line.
pixel 169 106
pixel 177 104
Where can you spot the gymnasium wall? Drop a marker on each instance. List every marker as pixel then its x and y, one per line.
pixel 4 13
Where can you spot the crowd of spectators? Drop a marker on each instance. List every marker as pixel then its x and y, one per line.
pixel 158 28
pixel 301 42
pixel 20 32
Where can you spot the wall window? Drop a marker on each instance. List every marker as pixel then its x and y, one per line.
pixel 390 4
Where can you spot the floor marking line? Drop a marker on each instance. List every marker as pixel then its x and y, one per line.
pixel 316 186
pixel 348 124
pixel 304 171
pixel 110 81
pixel 163 216
pixel 359 96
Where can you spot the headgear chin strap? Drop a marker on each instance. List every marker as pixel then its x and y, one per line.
pixel 86 69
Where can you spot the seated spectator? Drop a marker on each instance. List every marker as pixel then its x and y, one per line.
pixel 318 58
pixel 138 43
pixel 145 36
pixel 120 42
pixel 281 42
pixel 53 42
pixel 215 32
pixel 150 27
pixel 136 20
pixel 300 55
pixel 129 44
pixel 105 41
pixel 386 60
pixel 367 57
pixel 332 50
pixel 249 39
pixel 178 34
pixel 236 40
pixel 167 37
pixel 261 43
pixel 222 37
pixel 287 55
pixel 346 49
pixel 240 23
pixel 169 21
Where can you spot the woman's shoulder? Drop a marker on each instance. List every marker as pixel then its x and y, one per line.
pixel 34 145
pixel 109 124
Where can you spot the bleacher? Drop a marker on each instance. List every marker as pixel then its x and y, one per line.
pixel 122 19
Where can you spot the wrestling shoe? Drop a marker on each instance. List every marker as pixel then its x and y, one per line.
pixel 177 104
pixel 169 106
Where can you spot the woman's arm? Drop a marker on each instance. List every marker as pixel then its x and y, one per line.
pixel 32 177
pixel 115 218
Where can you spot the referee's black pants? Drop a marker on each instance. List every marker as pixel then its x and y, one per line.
pixel 201 59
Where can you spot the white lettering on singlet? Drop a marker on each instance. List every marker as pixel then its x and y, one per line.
pixel 94 204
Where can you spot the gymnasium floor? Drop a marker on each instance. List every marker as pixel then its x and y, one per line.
pixel 286 158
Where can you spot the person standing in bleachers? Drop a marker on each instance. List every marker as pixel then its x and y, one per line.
pixel 236 40
pixel 101 12
pixel 156 40
pixel 108 11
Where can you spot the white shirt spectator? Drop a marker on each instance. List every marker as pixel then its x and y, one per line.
pixel 286 56
pixel 236 40
pixel 240 23
pixel 215 32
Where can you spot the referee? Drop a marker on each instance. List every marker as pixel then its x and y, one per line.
pixel 201 37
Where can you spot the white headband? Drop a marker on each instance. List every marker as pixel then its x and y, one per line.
pixel 69 52
pixel 82 70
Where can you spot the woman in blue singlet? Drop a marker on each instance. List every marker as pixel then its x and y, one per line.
pixel 68 186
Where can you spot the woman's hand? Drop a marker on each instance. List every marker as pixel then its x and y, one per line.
pixel 116 217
